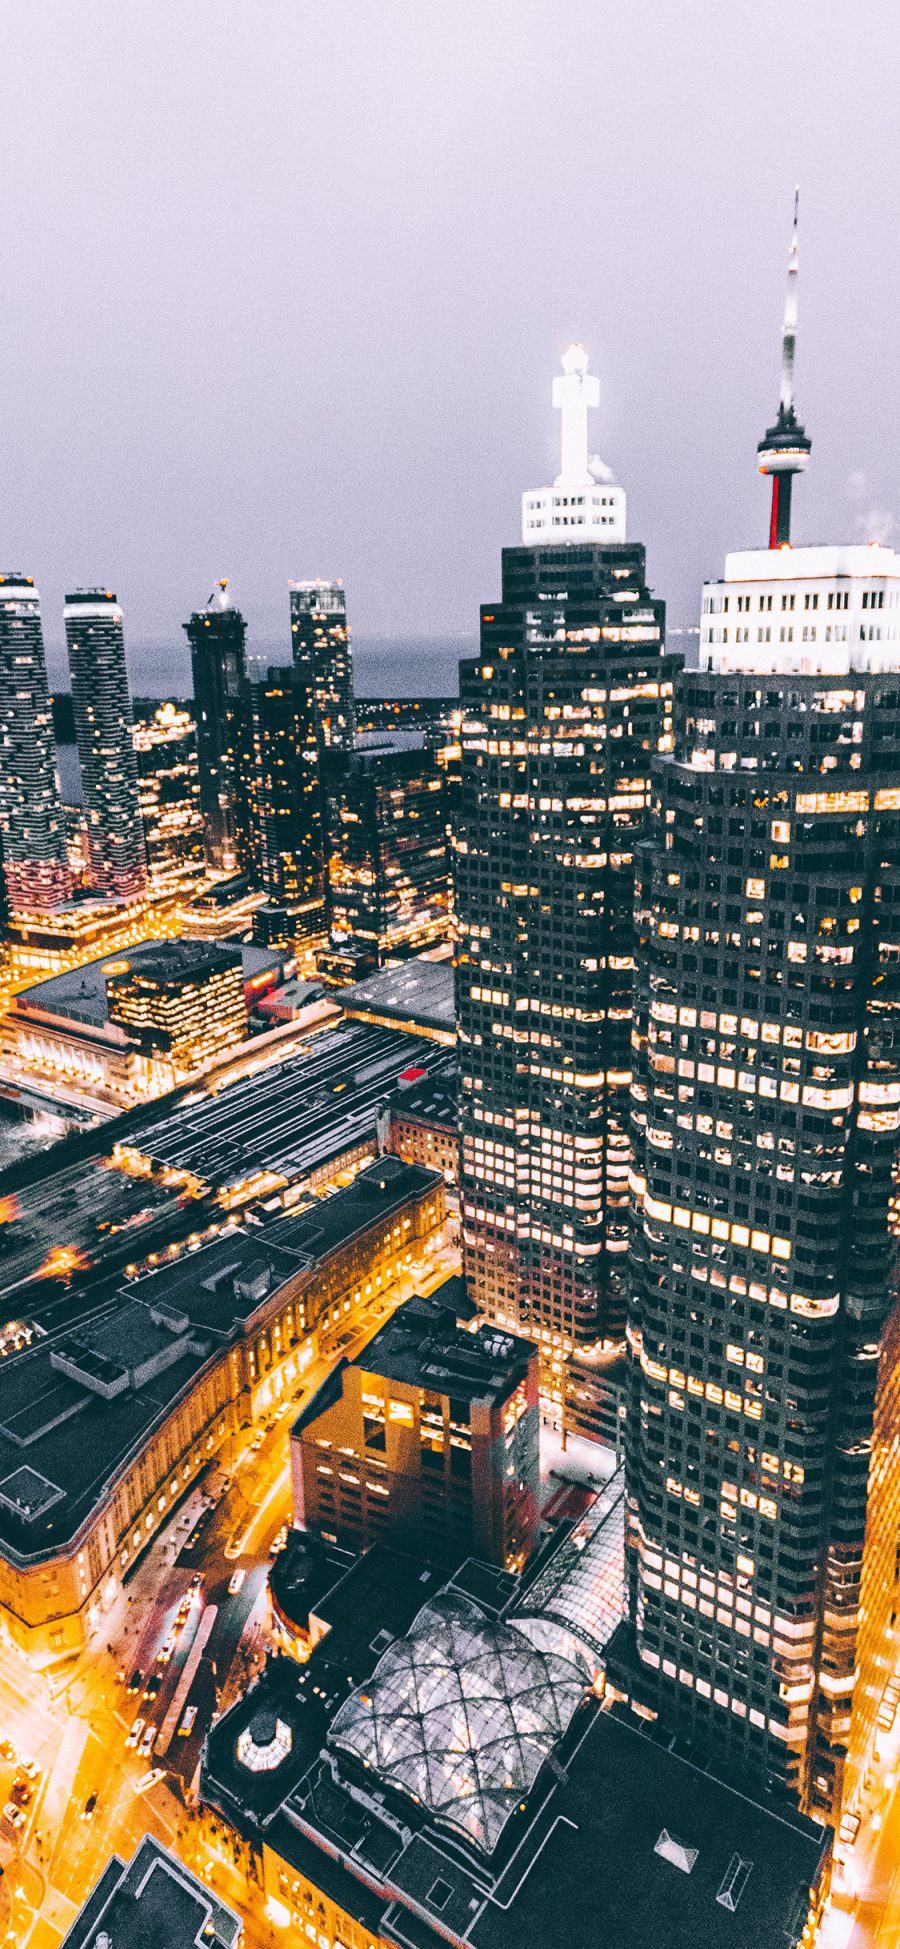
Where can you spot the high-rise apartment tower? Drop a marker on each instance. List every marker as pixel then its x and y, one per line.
pixel 31 816
pixel 103 733
pixel 321 642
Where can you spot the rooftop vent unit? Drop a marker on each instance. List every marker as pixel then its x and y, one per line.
pixel 734 1882
pixel 680 1855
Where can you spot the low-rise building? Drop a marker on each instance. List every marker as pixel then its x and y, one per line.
pixel 421 1121
pixel 182 1006
pixel 154 1900
pixel 79 1028
pixel 416 996
pixel 105 1428
pixel 467 1788
pixel 430 1436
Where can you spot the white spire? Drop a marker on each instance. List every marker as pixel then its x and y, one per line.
pixel 583 504
pixel 789 328
pixel 574 395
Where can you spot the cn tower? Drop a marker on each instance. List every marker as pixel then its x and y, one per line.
pixel 785 449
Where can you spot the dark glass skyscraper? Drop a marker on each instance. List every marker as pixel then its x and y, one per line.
pixel 764 1336
pixel 285 802
pixel 103 733
pixel 389 869
pixel 563 711
pixel 217 637
pixel 766 1093
pixel 31 816
pixel 165 743
pixel 321 642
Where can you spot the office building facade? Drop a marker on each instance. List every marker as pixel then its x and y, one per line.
pixel 322 654
pixel 165 744
pixel 217 636
pixel 563 711
pixel 35 865
pixel 286 837
pixel 766 1093
pixel 764 1484
pixel 103 733
pixel 388 866
pixel 183 1005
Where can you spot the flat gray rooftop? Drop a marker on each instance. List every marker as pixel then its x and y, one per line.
pixel 417 991
pixel 290 1117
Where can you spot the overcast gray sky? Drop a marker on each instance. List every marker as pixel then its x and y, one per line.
pixel 285 286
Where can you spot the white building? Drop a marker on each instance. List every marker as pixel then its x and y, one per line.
pixel 583 503
pixel 810 610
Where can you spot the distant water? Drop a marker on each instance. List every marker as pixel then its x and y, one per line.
pixel 384 666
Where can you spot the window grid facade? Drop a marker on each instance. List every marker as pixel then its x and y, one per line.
pixel 765 1112
pixel 562 713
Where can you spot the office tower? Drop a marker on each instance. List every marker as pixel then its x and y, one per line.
pixel 182 1003
pixel 763 1466
pixel 35 866
pixel 103 728
pixel 389 872
pixel 429 1439
pixel 562 712
pixel 284 796
pixel 165 744
pixel 321 642
pixel 216 635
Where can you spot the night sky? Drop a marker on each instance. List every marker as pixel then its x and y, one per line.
pixel 285 287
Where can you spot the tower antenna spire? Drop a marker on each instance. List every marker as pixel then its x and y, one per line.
pixel 785 449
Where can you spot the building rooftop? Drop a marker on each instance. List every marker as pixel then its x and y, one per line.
pixel 76 1406
pixel 577 1598
pixel 432 1098
pixel 154 1901
pixel 419 993
pixel 471 1791
pixel 421 1345
pixel 461 1715
pixel 289 1118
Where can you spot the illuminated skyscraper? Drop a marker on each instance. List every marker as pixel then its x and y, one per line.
pixel 321 641
pixel 389 871
pixel 563 710
pixel 31 815
pixel 217 636
pixel 763 1459
pixel 285 801
pixel 165 743
pixel 103 733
